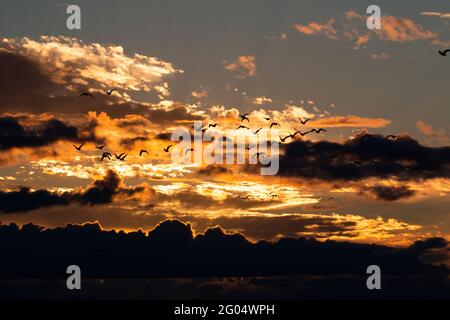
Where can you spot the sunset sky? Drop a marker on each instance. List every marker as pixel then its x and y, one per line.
pixel 176 62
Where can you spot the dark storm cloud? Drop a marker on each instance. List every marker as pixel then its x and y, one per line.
pixel 14 134
pixel 403 157
pixel 100 192
pixel 172 250
pixel 391 193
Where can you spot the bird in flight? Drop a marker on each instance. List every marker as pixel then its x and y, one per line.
pixel 187 150
pixel 79 148
pixel 242 127
pixel 86 94
pixel 143 151
pixel 101 147
pixel 121 156
pixel 273 195
pixel 106 155
pixel 303 121
pixel 301 133
pixel 390 136
pixel 285 138
pixel 274 124
pixel 109 92
pixel 167 149
pixel 444 53
pixel 244 117
pixel 212 125
pixel 318 130
pixel 256 132
pixel 267 118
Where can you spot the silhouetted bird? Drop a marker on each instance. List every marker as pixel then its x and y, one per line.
pixel 167 149
pixel 187 150
pixel 101 147
pixel 285 138
pixel 121 156
pixel 301 133
pixel 106 155
pixel 242 127
pixel 143 151
pixel 244 117
pixel 79 148
pixel 303 122
pixel 109 92
pixel 444 53
pixel 274 124
pixel 86 94
pixel 267 118
pixel 212 125
pixel 318 130
pixel 390 136
pixel 273 195
pixel 256 132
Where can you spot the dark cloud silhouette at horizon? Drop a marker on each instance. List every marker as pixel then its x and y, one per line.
pixel 173 250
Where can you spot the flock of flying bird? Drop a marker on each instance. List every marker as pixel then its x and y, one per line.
pixel 242 117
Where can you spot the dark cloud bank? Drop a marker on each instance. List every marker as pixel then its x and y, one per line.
pixel 15 134
pixel 172 251
pixel 361 158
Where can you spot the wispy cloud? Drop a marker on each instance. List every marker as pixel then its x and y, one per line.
pixel 442 15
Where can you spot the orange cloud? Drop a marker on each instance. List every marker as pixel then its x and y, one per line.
pixel 353 28
pixel 244 66
pixel 439 136
pixel 315 28
pixel 351 121
pixel 401 30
